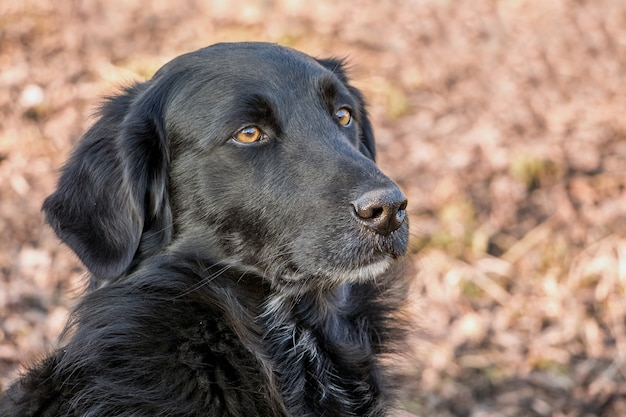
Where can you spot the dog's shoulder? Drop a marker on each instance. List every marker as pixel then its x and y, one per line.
pixel 160 342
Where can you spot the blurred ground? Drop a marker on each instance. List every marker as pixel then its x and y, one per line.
pixel 503 120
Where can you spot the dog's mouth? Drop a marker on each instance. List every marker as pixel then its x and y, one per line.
pixel 325 262
pixel 315 257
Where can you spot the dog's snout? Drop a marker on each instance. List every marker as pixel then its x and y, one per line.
pixel 381 210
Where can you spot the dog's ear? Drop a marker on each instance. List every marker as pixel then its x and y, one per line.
pixel 368 144
pixel 111 205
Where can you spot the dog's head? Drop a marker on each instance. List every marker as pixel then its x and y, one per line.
pixel 253 155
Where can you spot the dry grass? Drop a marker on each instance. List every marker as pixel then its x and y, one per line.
pixel 503 120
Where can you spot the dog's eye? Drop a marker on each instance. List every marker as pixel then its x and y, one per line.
pixel 344 117
pixel 249 134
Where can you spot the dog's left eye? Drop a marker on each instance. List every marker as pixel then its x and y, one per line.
pixel 249 134
pixel 344 116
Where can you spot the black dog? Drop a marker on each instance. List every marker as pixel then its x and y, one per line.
pixel 239 238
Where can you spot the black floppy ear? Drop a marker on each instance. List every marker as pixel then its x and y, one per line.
pixel 111 205
pixel 368 144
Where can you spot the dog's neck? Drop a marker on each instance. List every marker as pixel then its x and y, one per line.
pixel 322 352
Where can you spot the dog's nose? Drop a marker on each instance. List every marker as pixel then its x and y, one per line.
pixel 381 210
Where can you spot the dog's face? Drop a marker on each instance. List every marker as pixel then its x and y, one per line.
pixel 255 155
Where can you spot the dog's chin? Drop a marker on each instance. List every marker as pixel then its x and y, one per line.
pixel 364 273
pixel 296 280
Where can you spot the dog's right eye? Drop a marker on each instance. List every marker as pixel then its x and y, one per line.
pixel 249 134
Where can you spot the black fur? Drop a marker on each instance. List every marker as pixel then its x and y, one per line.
pixel 227 279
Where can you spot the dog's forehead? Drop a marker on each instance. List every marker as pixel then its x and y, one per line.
pixel 219 87
pixel 252 51
pixel 247 61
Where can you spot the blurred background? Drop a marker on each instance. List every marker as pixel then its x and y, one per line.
pixel 504 121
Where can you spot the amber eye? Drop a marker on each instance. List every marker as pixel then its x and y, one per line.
pixel 249 134
pixel 344 117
